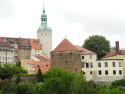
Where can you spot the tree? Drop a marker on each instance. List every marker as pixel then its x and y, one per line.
pixel 8 70
pixel 39 75
pixel 97 44
pixel 58 81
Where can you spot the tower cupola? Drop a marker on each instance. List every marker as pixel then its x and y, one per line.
pixel 43 18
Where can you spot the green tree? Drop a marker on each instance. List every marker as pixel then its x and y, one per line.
pixel 58 81
pixel 8 70
pixel 18 80
pixel 98 44
pixel 39 75
pixel 18 64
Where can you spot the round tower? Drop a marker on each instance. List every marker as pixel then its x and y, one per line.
pixel 44 34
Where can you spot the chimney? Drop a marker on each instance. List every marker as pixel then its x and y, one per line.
pixel 117 47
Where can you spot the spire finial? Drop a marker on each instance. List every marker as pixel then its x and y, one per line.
pixel 65 35
pixel 43 7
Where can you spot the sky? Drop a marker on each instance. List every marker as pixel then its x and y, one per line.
pixel 74 19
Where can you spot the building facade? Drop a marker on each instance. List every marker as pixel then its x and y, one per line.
pixel 6 53
pixel 32 65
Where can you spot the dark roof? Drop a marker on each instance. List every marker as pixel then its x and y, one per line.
pixel 5 44
pixel 24 42
pixel 18 41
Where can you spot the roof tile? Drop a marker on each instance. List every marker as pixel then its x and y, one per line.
pixel 33 45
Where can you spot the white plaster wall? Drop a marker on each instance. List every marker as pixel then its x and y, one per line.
pixel 9 55
pixel 110 68
pixel 45 37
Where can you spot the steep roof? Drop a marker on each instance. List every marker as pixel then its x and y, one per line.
pixel 41 58
pixel 65 45
pixel 121 52
pixel 33 45
pixel 83 50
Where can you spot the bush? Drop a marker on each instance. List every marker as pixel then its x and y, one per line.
pixel 25 88
pixel 3 82
pixel 8 88
pixel 119 82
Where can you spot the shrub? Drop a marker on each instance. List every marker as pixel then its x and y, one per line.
pixel 119 82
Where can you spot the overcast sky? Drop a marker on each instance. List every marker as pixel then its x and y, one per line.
pixel 77 19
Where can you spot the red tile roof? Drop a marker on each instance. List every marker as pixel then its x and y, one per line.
pixel 84 51
pixel 65 45
pixel 121 52
pixel 33 45
pixel 41 58
pixel 29 61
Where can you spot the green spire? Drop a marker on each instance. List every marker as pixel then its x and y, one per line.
pixel 44 21
pixel 43 17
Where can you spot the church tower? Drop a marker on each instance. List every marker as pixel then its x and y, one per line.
pixel 44 34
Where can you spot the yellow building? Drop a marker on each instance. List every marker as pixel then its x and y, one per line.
pixel 118 54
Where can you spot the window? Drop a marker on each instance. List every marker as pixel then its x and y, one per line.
pixel 82 57
pixel 114 72
pixel 120 72
pixel 106 64
pixel 70 54
pixel 46 65
pixel 120 64
pixel 52 55
pixel 90 56
pixel 75 69
pixel 99 64
pixel 87 65
pixel 66 62
pixel 99 72
pixel 91 65
pixel 83 65
pixel 35 50
pixel 113 64
pixel 91 72
pixel 106 72
pixel 38 66
pixel 60 54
